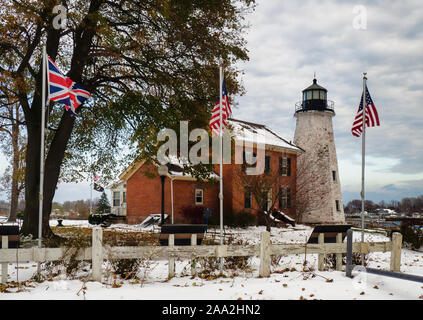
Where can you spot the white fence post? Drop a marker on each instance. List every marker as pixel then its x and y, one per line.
pixel 396 251
pixel 97 253
pixel 171 243
pixel 321 256
pixel 193 262
pixel 339 255
pixel 264 270
pixel 4 245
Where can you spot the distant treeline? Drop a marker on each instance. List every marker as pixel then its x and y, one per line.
pixel 406 205
pixel 71 209
pixel 74 209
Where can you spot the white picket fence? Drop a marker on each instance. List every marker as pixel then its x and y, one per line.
pixel 264 250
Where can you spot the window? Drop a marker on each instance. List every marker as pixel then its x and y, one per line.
pixel 334 175
pixel 116 199
pixel 315 94
pixel 309 95
pixel 267 164
pixel 285 166
pixel 248 159
pixel 247 198
pixel 124 197
pixel 198 196
pixel 285 198
pixel 337 205
pixel 267 204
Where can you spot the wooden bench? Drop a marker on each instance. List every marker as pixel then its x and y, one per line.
pixel 330 232
pixel 182 233
pixel 12 233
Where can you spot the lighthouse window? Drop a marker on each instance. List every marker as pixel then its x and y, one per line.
pixel 337 205
pixel 322 95
pixel 334 175
pixel 316 94
pixel 309 95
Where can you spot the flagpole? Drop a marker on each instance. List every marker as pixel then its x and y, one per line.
pixel 221 154
pixel 41 190
pixel 363 155
pixel 91 183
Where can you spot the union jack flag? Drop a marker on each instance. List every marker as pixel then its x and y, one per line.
pixel 214 123
pixel 63 90
pixel 372 117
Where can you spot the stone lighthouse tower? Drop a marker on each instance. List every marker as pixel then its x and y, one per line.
pixel 318 196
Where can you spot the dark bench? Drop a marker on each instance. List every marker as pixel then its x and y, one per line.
pixel 182 233
pixel 12 232
pixel 330 232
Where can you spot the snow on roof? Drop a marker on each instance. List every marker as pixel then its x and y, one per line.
pixel 248 131
pixel 176 168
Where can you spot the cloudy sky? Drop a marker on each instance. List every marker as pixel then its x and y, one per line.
pixel 290 40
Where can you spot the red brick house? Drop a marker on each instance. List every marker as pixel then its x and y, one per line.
pixel 143 185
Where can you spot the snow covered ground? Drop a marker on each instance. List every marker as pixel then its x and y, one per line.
pixel 287 281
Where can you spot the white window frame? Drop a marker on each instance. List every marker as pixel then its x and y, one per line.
pixel 202 197
pixel 119 199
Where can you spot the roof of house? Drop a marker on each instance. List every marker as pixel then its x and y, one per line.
pixel 249 131
pixel 175 170
pixel 241 131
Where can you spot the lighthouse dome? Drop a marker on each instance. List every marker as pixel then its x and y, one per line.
pixel 314 98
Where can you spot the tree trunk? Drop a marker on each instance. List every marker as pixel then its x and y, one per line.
pixel 57 148
pixel 53 162
pixel 32 177
pixel 14 199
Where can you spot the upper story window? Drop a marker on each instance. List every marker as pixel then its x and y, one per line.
pixel 267 164
pixel 285 166
pixel 337 205
pixel 124 197
pixel 199 196
pixel 334 175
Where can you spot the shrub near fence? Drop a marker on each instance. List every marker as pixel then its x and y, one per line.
pixel 264 250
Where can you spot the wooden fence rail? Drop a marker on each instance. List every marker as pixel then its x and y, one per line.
pixel 264 250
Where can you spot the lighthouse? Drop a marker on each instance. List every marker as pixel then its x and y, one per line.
pixel 318 196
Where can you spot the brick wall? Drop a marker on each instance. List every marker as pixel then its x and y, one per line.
pixel 144 195
pixel 144 191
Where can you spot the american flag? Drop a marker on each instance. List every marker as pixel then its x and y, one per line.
pixel 372 117
pixel 63 90
pixel 214 123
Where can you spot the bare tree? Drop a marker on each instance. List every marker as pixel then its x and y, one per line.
pixel 13 144
pixel 266 189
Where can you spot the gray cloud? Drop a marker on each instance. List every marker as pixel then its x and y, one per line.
pixel 288 41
